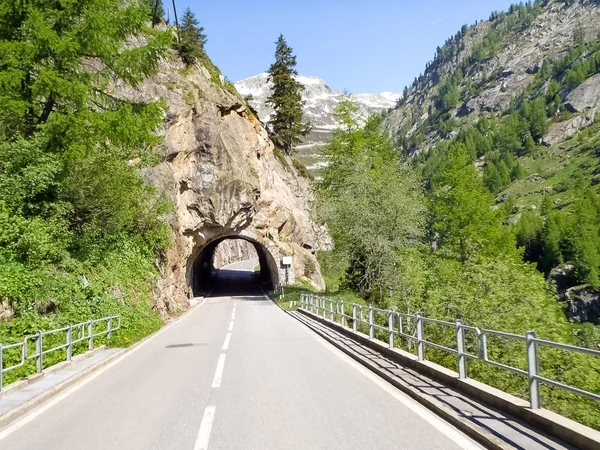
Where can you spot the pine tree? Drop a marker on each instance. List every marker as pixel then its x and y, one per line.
pixel 157 11
pixel 287 128
pixel 191 38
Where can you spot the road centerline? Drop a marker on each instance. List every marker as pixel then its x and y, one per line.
pixel 219 371
pixel 226 343
pixel 205 428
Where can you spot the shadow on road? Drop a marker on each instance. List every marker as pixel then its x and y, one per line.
pixel 237 283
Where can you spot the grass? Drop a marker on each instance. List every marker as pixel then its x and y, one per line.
pixel 301 168
pixel 332 271
pixel 281 157
pixel 560 167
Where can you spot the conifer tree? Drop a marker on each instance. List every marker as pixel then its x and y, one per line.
pixel 191 38
pixel 157 11
pixel 287 127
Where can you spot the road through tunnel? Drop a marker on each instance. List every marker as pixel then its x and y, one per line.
pixel 206 279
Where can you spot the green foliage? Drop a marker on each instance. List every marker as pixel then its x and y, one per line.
pixel 471 270
pixel 372 203
pixel 571 238
pixel 71 203
pixel 157 11
pixel 463 223
pixel 301 168
pixel 191 39
pixel 287 128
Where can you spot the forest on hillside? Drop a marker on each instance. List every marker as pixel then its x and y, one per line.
pixel 430 220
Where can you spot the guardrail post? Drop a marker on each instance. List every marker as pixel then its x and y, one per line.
pixel 354 317
pixel 90 335
pixel 371 327
pixel 1 366
pixel 331 310
pixel 391 328
pixel 38 351
pixel 460 350
pixel 343 314
pixel 420 352
pixel 69 342
pixel 532 370
pixel 109 335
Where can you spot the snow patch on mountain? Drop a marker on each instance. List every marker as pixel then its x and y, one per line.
pixel 320 103
pixel 320 99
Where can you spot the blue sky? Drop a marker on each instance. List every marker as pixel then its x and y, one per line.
pixel 358 45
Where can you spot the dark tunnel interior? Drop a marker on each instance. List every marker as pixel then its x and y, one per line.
pixel 206 280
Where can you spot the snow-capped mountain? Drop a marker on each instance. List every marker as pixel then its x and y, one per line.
pixel 321 101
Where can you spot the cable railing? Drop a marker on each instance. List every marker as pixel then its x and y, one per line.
pixel 32 346
pixel 398 325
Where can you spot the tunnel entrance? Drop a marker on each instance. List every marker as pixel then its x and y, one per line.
pixel 212 274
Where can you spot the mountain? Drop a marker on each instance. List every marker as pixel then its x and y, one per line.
pixel 494 65
pixel 520 95
pixel 321 101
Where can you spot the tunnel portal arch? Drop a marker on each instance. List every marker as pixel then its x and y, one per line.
pixel 201 272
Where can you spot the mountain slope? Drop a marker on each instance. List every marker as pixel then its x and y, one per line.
pixel 321 101
pixel 490 66
pixel 520 94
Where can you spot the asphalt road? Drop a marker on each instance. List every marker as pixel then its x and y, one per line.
pixel 235 373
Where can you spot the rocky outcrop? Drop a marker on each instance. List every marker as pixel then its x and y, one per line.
pixel 498 81
pixel 220 171
pixel 6 311
pixel 585 97
pixel 233 250
pixel 583 304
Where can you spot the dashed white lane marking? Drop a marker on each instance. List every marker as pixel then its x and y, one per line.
pixel 235 304
pixel 227 339
pixel 231 325
pixel 76 387
pixel 233 315
pixel 219 372
pixel 205 428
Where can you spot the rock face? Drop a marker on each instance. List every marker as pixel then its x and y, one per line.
pixel 6 311
pixel 583 304
pixel 321 101
pixel 505 77
pixel 219 170
pixel 233 250
pixel 586 96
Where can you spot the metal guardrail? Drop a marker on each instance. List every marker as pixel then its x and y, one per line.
pixel 397 326
pixel 82 331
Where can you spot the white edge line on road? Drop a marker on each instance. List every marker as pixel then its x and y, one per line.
pixel 30 416
pixel 205 429
pixel 455 435
pixel 219 371
pixel 459 438
pixel 226 343
pixel 231 325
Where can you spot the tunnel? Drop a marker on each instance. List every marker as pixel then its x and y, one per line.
pixel 207 280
